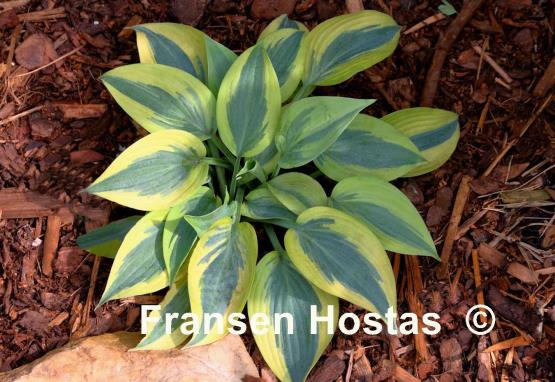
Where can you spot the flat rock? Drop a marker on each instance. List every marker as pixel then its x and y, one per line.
pixel 37 50
pixel 270 9
pixel 189 11
pixel 106 358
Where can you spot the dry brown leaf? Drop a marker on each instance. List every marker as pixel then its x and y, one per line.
pixel 491 255
pixel 526 196
pixel 523 273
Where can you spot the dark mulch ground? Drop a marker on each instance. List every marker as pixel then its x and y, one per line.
pixel 57 149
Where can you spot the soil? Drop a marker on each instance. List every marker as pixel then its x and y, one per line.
pixel 504 249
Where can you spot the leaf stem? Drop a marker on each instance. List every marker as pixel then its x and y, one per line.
pixel 273 238
pixel 233 186
pixel 316 174
pixel 239 200
pixel 275 172
pixel 220 176
pixel 223 148
pixel 304 91
pixel 217 162
pixel 281 223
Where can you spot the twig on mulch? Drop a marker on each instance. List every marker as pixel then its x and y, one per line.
pixel 47 14
pixel 414 287
pixel 427 21
pixel 493 64
pixel 442 48
pixel 384 6
pixel 51 62
pixel 463 229
pixel 547 81
pixel 90 293
pixel 511 143
pixel 511 342
pixel 396 265
pixel 483 115
pixel 20 115
pixel 507 365
pixel 452 229
pixel 11 50
pixel 477 280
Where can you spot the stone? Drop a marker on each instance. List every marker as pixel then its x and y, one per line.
pixel 43 128
pixel 107 358
pixel 37 50
pixel 189 11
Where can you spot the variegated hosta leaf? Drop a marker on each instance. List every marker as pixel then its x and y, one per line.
pixel 267 159
pixel 177 45
pixel 342 46
pixel 285 49
pixel 250 170
pixel 201 223
pixel 221 272
pixel 341 256
pixel 369 146
pixel 309 126
pixel 387 211
pixel 175 301
pixel 179 235
pixel 248 104
pixel 105 241
pixel 297 191
pixel 160 97
pixel 282 22
pixel 280 289
pixel 138 267
pixel 261 204
pixel 434 131
pixel 156 172
pixel 218 60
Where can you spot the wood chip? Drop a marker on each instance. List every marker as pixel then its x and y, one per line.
pixel 332 368
pixel 81 111
pixel 451 356
pixel 58 319
pixel 362 370
pixel 26 204
pixel 485 372
pixel 400 374
pixel 51 240
pixel 85 156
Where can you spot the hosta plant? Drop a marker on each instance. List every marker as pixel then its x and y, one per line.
pixel 235 151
